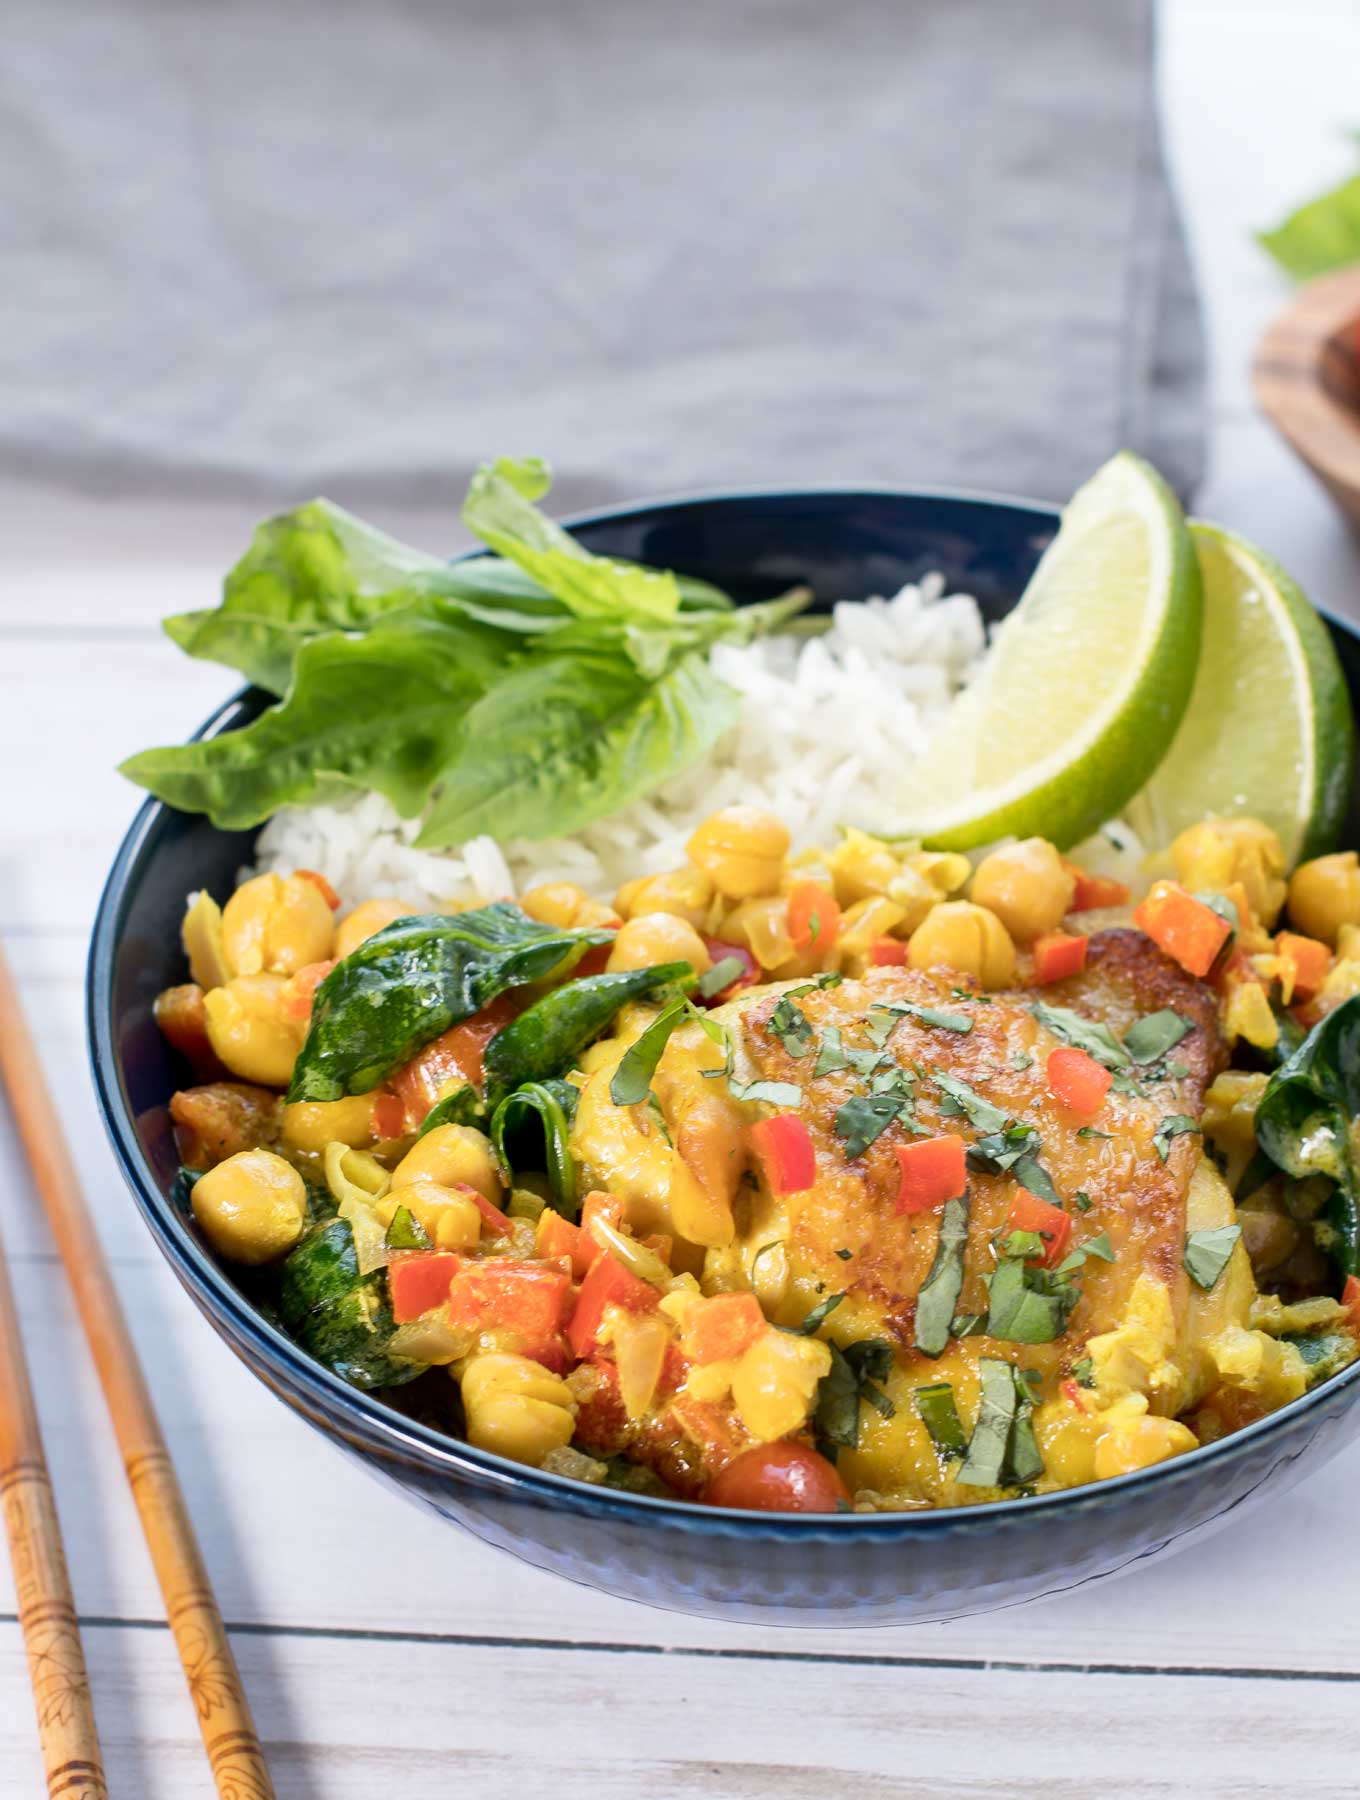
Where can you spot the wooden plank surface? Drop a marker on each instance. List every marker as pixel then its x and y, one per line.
pixel 379 1644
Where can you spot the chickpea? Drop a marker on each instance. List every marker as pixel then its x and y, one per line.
pixel 309 1125
pixel 742 849
pixel 450 1219
pixel 563 904
pixel 251 1208
pixel 1324 895
pixel 251 1031
pixel 1026 886
pixel 1140 1443
pixel 658 938
pixel 454 1156
pixel 967 938
pixel 688 893
pixel 277 923
pixel 1212 855
pixel 368 918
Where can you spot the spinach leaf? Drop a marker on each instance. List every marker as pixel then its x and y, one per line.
pixel 462 1107
pixel 940 1290
pixel 1083 1034
pixel 531 1129
pixel 1323 1354
pixel 548 1036
pixel 1303 1123
pixel 350 1334
pixel 1098 1246
pixel 415 979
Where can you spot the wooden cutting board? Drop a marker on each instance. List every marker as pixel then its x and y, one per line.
pixel 1306 376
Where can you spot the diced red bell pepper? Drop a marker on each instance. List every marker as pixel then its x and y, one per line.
pixel 1077 1080
pixel 1029 1213
pixel 888 953
pixel 557 1238
pixel 1308 960
pixel 456 1055
pixel 496 1220
pixel 595 961
pixel 599 1205
pixel 528 1298
pixel 607 1284
pixel 750 970
pixel 719 1329
pixel 1092 891
pixel 389 1116
pixel 1350 1299
pixel 299 991
pixel 1190 932
pixel 933 1170
pixel 419 1281
pixel 1058 954
pixel 323 887
pixel 814 919
pixel 784 1146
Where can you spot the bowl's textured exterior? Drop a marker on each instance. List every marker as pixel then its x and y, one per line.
pixel 848 1570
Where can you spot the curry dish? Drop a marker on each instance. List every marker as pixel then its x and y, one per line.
pixel 870 1178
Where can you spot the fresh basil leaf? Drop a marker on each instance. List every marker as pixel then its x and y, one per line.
pixel 1082 1201
pixel 1098 1246
pixel 940 1416
pixel 967 1325
pixel 406 1232
pixel 1320 236
pixel 1002 1150
pixel 411 982
pixel 863 1119
pixel 723 973
pixel 547 1037
pixel 791 1026
pixel 830 1053
pixel 1083 1034
pixel 1151 1037
pixel 879 1025
pixel 853 1378
pixel 772 1093
pixel 845 1255
pixel 1024 1463
pixel 1207 1254
pixel 818 1316
pixel 1026 1305
pixel 632 1079
pixel 1173 1126
pixel 531 1129
pixel 1089 1131
pixel 929 1015
pixel 1031 1174
pixel 1084 1372
pixel 1022 1060
pixel 980 1113
pixel 1303 1122
pixel 1021 1245
pixel 940 1291
pixel 986 1458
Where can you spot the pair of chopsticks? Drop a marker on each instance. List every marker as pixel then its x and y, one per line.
pixel 56 1660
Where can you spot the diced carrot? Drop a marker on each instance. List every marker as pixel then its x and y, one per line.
pixel 1190 932
pixel 1029 1213
pixel 1058 954
pixel 1077 1080
pixel 814 917
pixel 933 1170
pixel 599 1205
pixel 389 1115
pixel 888 953
pixel 456 1055
pixel 1094 890
pixel 1350 1299
pixel 607 1284
pixel 419 1281
pixel 719 1329
pixel 495 1218
pixel 299 991
pixel 527 1298
pixel 557 1238
pixel 1304 965
pixel 719 951
pixel 784 1146
pixel 328 893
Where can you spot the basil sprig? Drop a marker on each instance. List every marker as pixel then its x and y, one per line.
pixel 940 1291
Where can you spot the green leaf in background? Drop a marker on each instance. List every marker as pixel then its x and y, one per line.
pixel 1320 236
pixel 382 711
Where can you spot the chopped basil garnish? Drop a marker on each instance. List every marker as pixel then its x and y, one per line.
pixel 654 1108
pixel 1024 1244
pixel 1175 1071
pixel 991 1434
pixel 830 1053
pixel 961 1099
pixel 967 1325
pixel 940 1291
pixel 1123 1083
pixel 1083 1034
pixel 723 973
pixel 865 1118
pixel 818 1315
pixel 1207 1254
pixel 1031 1174
pixel 1022 1060
pixel 633 1078
pixel 940 1416
pixel 1089 1131
pixel 406 1232
pixel 1082 1200
pixel 791 1026
pixel 1028 1305
pixel 845 1255
pixel 879 1025
pixel 1098 1246
pixel 853 1376
pixel 773 1244
pixel 773 1093
pixel 929 1015
pixel 1084 1373
pixel 1024 1460
pixel 1173 1126
pixel 1156 1034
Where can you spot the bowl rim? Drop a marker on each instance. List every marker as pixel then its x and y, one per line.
pixel 392 1433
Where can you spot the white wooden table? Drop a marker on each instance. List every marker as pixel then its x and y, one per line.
pixel 380 1646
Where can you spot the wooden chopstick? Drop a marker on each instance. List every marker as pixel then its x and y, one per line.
pixel 47 1613
pixel 224 1719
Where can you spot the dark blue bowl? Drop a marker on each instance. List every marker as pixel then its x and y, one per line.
pixel 856 1570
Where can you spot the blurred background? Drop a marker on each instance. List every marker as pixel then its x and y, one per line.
pixel 255 253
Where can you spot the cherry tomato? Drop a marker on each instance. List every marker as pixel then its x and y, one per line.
pixel 782 1477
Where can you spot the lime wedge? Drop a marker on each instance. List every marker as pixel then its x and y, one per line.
pixel 1085 681
pixel 1268 731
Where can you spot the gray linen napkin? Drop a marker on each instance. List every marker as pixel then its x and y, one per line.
pixel 357 248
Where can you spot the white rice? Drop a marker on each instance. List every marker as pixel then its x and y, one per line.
pixel 829 730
